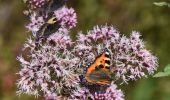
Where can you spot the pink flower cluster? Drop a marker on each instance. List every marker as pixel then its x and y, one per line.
pixel 133 60
pixel 130 59
pixel 53 63
pixel 66 17
pixel 50 66
pixel 36 23
pixel 112 93
pixel 36 3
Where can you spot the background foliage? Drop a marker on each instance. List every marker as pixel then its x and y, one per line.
pixel 126 15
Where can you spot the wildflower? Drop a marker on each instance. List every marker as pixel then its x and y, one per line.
pixel 52 66
pixel 62 40
pixel 81 94
pixel 112 93
pixel 66 17
pixel 132 59
pixel 34 4
pixel 129 59
pixel 35 24
pixel 50 69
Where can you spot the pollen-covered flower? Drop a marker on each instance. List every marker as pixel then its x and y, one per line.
pixel 111 93
pixel 35 24
pixel 129 60
pixel 66 17
pixel 51 68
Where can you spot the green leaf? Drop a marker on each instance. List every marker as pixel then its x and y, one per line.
pixel 165 73
pixel 161 4
pixel 167 68
pixel 161 74
pixel 24 1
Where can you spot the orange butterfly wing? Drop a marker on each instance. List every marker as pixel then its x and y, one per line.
pixel 96 73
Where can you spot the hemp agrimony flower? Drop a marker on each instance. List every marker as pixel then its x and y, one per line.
pixel 34 4
pixel 50 68
pixel 66 17
pixel 36 23
pixel 54 62
pixel 130 59
pixel 112 93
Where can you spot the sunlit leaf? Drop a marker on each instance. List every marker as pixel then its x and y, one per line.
pixel 167 68
pixel 165 73
pixel 161 4
pixel 161 74
pixel 24 1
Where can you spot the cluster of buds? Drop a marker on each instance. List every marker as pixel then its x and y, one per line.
pixel 66 17
pixel 34 4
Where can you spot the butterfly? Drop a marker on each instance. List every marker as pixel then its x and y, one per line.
pixel 98 72
pixel 50 27
pixel 51 24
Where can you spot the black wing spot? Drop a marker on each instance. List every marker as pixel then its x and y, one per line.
pixel 101 66
pixel 107 67
pixel 97 68
pixel 106 55
pixel 107 61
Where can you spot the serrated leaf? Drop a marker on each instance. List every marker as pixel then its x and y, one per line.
pixel 161 4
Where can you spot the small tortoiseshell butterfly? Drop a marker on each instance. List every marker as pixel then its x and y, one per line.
pixel 97 72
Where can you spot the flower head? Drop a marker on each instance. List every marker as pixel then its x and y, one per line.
pixel 35 24
pixel 130 59
pixel 53 64
pixel 34 4
pixel 66 17
pixel 51 68
pixel 112 93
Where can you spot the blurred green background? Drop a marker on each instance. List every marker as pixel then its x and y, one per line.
pixel 126 15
